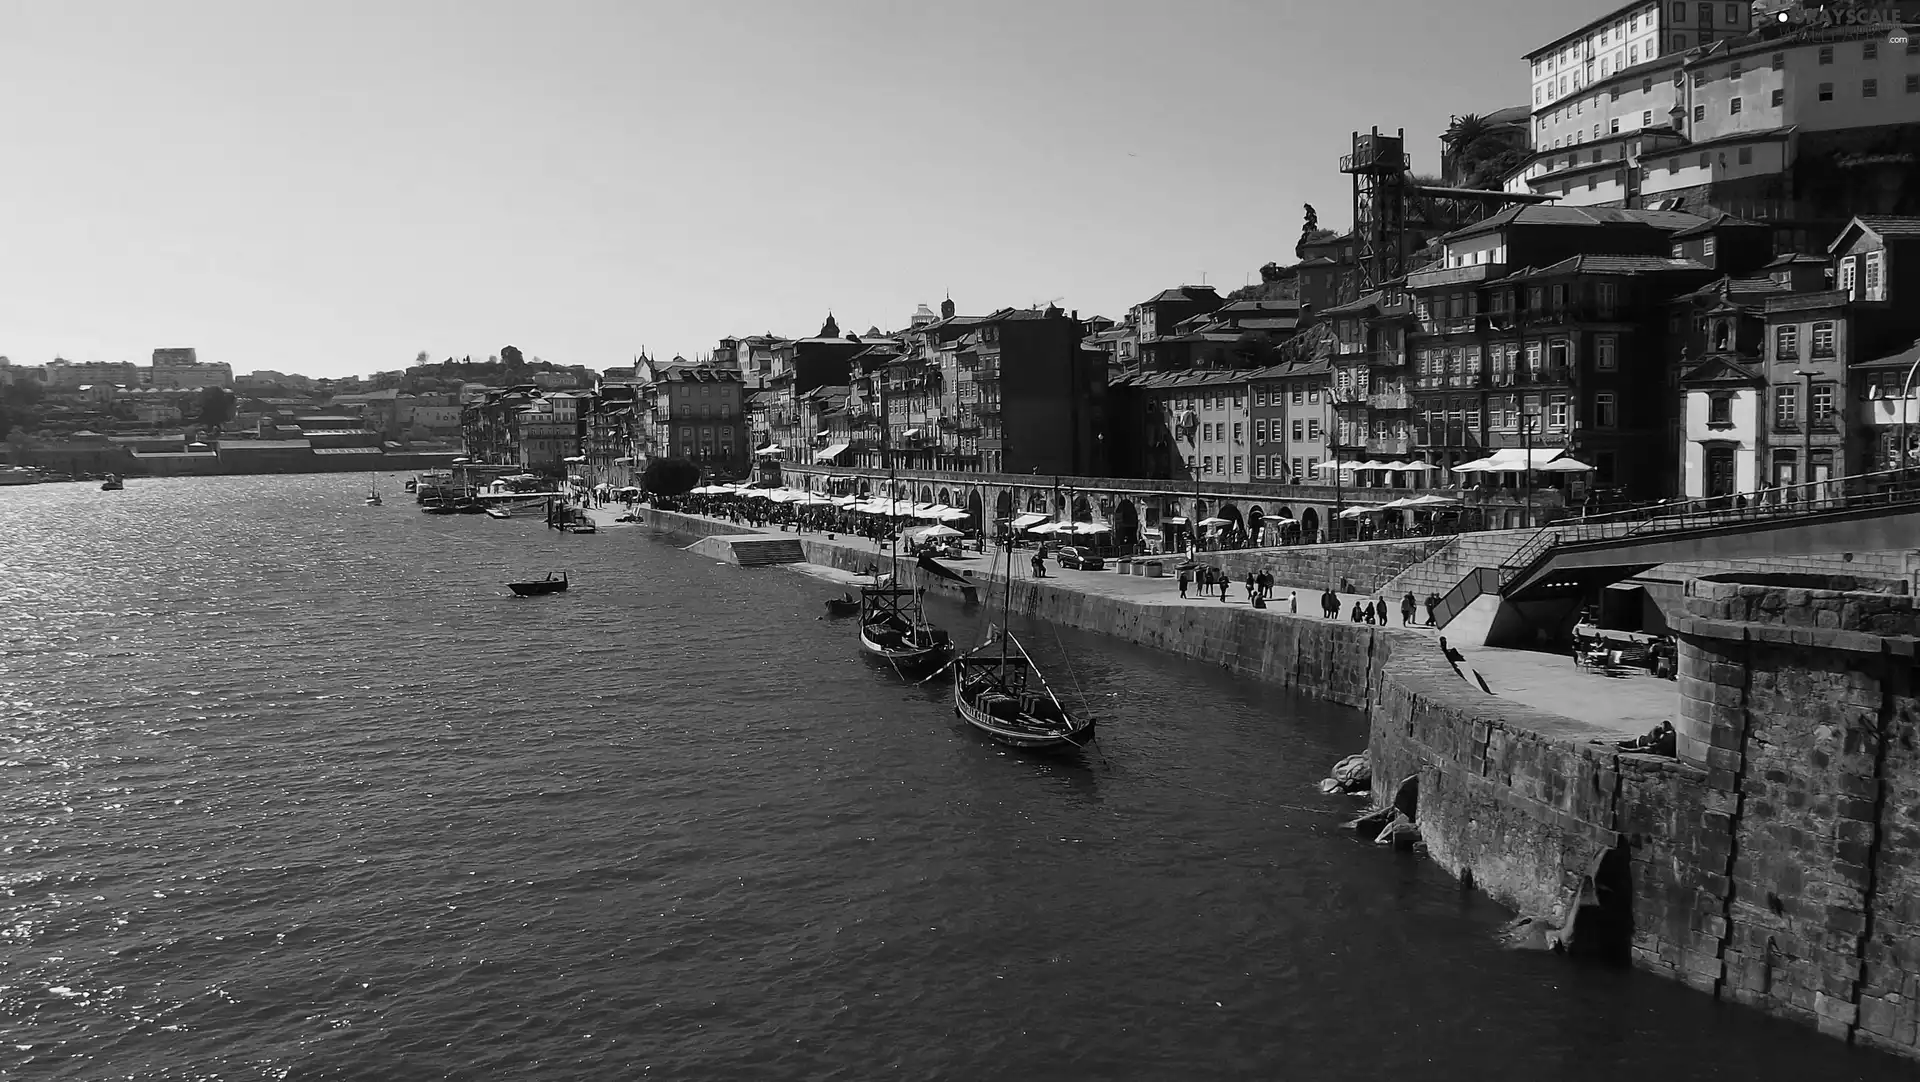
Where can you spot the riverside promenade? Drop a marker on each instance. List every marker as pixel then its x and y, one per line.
pixel 1595 707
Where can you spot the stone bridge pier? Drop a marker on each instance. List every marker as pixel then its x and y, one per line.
pixel 1803 836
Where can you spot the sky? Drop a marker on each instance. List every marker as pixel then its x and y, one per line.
pixel 331 188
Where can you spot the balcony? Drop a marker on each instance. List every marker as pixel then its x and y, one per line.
pixel 1386 358
pixel 1390 400
pixel 1347 396
pixel 1389 445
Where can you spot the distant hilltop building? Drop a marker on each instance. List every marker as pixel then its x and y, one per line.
pixel 181 367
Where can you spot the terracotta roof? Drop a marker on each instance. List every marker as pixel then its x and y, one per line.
pixel 1892 227
pixel 1607 264
pixel 1718 221
pixel 1590 217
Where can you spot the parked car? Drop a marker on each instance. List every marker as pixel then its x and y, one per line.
pixel 1080 558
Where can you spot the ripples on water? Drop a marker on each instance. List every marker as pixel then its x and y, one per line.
pixel 291 787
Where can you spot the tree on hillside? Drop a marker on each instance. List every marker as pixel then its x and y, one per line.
pixel 670 477
pixel 510 356
pixel 420 357
pixel 215 407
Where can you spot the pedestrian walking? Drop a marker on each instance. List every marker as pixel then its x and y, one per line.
pixel 1380 611
pixel 1183 584
pixel 1293 602
pixel 1253 586
pixel 1407 608
pixel 1433 602
pixel 1225 585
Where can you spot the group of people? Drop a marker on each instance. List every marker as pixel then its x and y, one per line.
pixel 1208 580
pixel 1375 612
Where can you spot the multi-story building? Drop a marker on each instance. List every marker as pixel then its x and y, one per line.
pixel 1714 351
pixel 1620 44
pixel 65 375
pixel 1155 323
pixel 696 413
pixel 1540 331
pixel 1036 392
pixel 1821 346
pixel 1372 403
pixel 610 425
pixel 815 433
pixel 1797 126
pixel 490 424
pixel 183 368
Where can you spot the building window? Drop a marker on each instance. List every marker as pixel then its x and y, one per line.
pixel 1260 431
pixel 1238 436
pixel 1821 405
pixel 1299 427
pixel 1913 84
pixel 1679 12
pixel 1786 344
pixel 1869 88
pixel 1733 107
pixel 1603 357
pixel 1826 54
pixel 1786 407
pixel 1846 276
pixel 1779 61
pixel 1297 471
pixel 1557 412
pixel 1870 50
pixel 1313 394
pixel 1313 428
pixel 1872 278
pixel 1296 394
pixel 1826 92
pixel 1259 465
pixel 1720 410
pixel 1699 114
pixel 1779 98
pixel 1613 126
pixel 1239 464
pixel 1646 119
pixel 1823 340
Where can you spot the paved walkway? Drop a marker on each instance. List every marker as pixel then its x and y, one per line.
pixel 1624 705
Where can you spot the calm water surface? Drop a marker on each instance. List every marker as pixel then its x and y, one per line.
pixel 290 787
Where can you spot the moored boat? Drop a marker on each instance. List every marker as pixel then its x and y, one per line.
pixel 996 695
pixel 842 606
pixel 893 631
pixel 21 475
pixel 498 512
pixel 535 587
pixel 112 483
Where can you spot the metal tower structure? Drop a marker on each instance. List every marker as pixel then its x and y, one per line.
pixel 1378 165
pixel 1394 217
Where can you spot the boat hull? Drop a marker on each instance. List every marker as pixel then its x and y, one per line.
pixel 837 606
pixel 535 589
pixel 908 661
pixel 1021 731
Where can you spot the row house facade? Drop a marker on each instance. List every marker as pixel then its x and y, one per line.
pixel 697 412
pixel 1268 424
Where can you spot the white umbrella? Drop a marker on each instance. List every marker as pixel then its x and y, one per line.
pixel 938 532
pixel 954 514
pixel 1564 465
pixel 1482 465
pixel 1404 501
pixel 1090 528
pixel 1416 467
pixel 1356 512
pixel 1430 500
pixel 1213 522
pixel 1047 527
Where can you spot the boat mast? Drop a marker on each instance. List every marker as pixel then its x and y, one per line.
pixel 1006 611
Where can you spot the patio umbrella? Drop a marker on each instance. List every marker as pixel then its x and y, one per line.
pixel 1090 528
pixel 1564 465
pixel 1404 501
pixel 1430 500
pixel 1047 527
pixel 934 532
pixel 1213 522
pixel 1356 512
pixel 954 514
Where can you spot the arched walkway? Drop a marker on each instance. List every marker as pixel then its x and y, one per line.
pixel 1036 500
pixel 1309 522
pixel 926 493
pixel 946 498
pixel 973 509
pixel 1126 523
pixel 865 489
pixel 1255 520
pixel 1082 510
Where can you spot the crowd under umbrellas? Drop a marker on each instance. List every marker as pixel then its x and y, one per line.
pixel 858 515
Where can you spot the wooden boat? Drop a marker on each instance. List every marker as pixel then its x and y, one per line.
pixel 373 490
pixel 499 512
pixel 469 507
pixel 580 526
pixel 843 606
pixel 535 587
pixel 112 483
pixel 996 693
pixel 893 632
pixel 440 509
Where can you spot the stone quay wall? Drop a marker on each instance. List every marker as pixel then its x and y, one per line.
pixel 1369 565
pixel 1799 699
pixel 1776 864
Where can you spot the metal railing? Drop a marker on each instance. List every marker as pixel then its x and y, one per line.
pixel 1837 495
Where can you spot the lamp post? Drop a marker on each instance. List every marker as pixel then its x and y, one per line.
pixel 1806 432
pixel 1527 420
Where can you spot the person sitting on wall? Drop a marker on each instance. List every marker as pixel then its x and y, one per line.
pixel 1659 740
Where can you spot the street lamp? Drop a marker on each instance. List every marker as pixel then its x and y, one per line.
pixel 1528 418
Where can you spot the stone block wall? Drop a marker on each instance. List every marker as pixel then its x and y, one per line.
pixel 1798 702
pixel 1370 565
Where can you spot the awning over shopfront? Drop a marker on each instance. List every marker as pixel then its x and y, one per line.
pixel 1029 519
pixel 1511 460
pixel 831 452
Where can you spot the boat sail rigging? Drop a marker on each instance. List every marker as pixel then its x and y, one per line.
pixel 893 627
pixel 996 694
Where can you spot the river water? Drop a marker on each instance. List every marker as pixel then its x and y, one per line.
pixel 291 787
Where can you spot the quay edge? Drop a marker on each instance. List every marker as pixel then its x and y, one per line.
pixel 1780 870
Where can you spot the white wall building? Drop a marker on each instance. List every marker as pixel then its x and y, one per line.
pixel 1722 425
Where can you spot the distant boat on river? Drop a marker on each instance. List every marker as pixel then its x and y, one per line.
pixel 535 587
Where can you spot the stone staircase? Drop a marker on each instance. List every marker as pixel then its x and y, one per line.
pixel 757 552
pixel 1437 573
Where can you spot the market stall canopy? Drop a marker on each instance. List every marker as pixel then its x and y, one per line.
pixel 1088 528
pixel 1027 521
pixel 1415 467
pixel 934 532
pixel 954 514
pixel 1511 460
pixel 1046 527
pixel 1173 520
pixel 1213 522
pixel 1565 465
pixel 831 452
pixel 1430 500
pixel 1356 512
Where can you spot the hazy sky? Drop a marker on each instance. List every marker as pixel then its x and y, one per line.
pixel 332 187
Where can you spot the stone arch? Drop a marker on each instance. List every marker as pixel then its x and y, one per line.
pixel 946 498
pixel 1231 513
pixel 973 509
pixel 1036 500
pixel 1256 519
pixel 1199 510
pixel 865 489
pixel 1126 523
pixel 1406 799
pixel 1082 509
pixel 926 493
pixel 1310 521
pixel 1003 505
pixel 1602 926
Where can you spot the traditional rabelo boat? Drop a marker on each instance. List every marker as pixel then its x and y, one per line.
pixel 842 606
pixel 995 693
pixel 535 587
pixel 893 628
